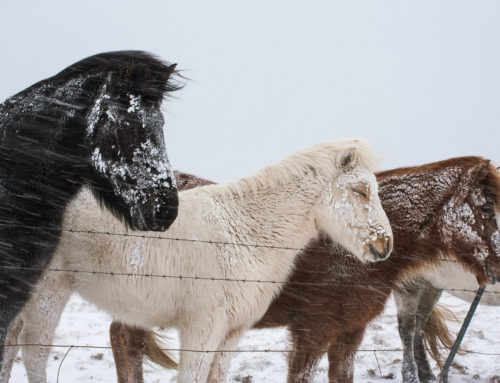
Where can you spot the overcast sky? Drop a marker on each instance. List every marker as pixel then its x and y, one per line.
pixel 419 79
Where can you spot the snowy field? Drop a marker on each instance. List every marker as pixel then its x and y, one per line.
pixel 83 324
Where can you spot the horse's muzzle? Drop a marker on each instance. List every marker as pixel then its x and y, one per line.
pixel 381 248
pixel 154 217
pixel 165 214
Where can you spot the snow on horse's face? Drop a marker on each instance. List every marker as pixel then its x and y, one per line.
pixel 351 211
pixel 129 154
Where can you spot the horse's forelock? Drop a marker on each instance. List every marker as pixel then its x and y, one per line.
pixel 153 81
pixel 136 72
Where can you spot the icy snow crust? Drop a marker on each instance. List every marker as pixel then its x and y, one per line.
pixel 150 156
pixel 158 173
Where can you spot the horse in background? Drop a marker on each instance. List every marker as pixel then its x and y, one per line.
pixel 421 327
pixel 331 297
pixel 327 188
pixel 96 123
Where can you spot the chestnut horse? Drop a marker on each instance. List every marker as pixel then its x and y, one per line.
pixel 331 297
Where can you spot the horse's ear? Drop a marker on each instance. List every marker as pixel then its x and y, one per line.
pixel 171 69
pixel 347 159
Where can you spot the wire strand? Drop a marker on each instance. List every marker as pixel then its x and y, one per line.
pixel 237 350
pixel 232 280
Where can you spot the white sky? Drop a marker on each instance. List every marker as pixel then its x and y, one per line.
pixel 419 79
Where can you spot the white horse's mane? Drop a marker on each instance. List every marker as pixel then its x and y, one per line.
pixel 320 158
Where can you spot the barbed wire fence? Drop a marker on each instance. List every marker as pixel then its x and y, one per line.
pixel 226 279
pixel 332 283
pixel 71 347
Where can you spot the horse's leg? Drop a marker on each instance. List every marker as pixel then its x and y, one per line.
pixel 41 316
pixel 117 346
pixel 341 356
pixel 12 299
pixel 221 361
pixel 427 301
pixel 407 304
pixel 11 349
pixel 307 349
pixel 199 340
pixel 128 345
pixel 24 252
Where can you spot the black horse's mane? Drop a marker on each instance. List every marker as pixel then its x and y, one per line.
pixel 137 71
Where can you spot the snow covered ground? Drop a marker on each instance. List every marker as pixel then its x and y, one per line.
pixel 84 324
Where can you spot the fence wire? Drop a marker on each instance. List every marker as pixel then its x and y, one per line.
pixel 322 351
pixel 70 347
pixel 221 279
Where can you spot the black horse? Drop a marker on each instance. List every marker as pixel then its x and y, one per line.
pixel 96 123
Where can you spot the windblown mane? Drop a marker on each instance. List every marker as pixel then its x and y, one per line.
pixel 139 71
pixel 320 158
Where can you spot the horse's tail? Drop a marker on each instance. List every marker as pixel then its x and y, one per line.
pixel 154 353
pixel 437 336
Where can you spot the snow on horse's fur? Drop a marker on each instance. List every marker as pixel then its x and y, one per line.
pixel 328 188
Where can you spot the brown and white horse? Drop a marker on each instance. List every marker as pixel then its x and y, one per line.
pixel 442 214
pixel 420 325
pixel 327 188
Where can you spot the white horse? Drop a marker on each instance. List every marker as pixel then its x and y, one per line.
pixel 327 188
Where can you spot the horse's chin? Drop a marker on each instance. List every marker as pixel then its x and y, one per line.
pixel 368 258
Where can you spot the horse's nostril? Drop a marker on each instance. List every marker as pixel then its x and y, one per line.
pixel 166 213
pixel 374 252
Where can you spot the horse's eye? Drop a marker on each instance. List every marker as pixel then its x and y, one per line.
pixel 360 192
pixel 487 210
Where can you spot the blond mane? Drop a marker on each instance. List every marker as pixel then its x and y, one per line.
pixel 320 159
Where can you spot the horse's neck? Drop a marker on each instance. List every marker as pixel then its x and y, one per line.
pixel 414 201
pixel 42 132
pixel 273 216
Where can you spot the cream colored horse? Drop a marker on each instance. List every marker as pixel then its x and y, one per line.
pixel 327 188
